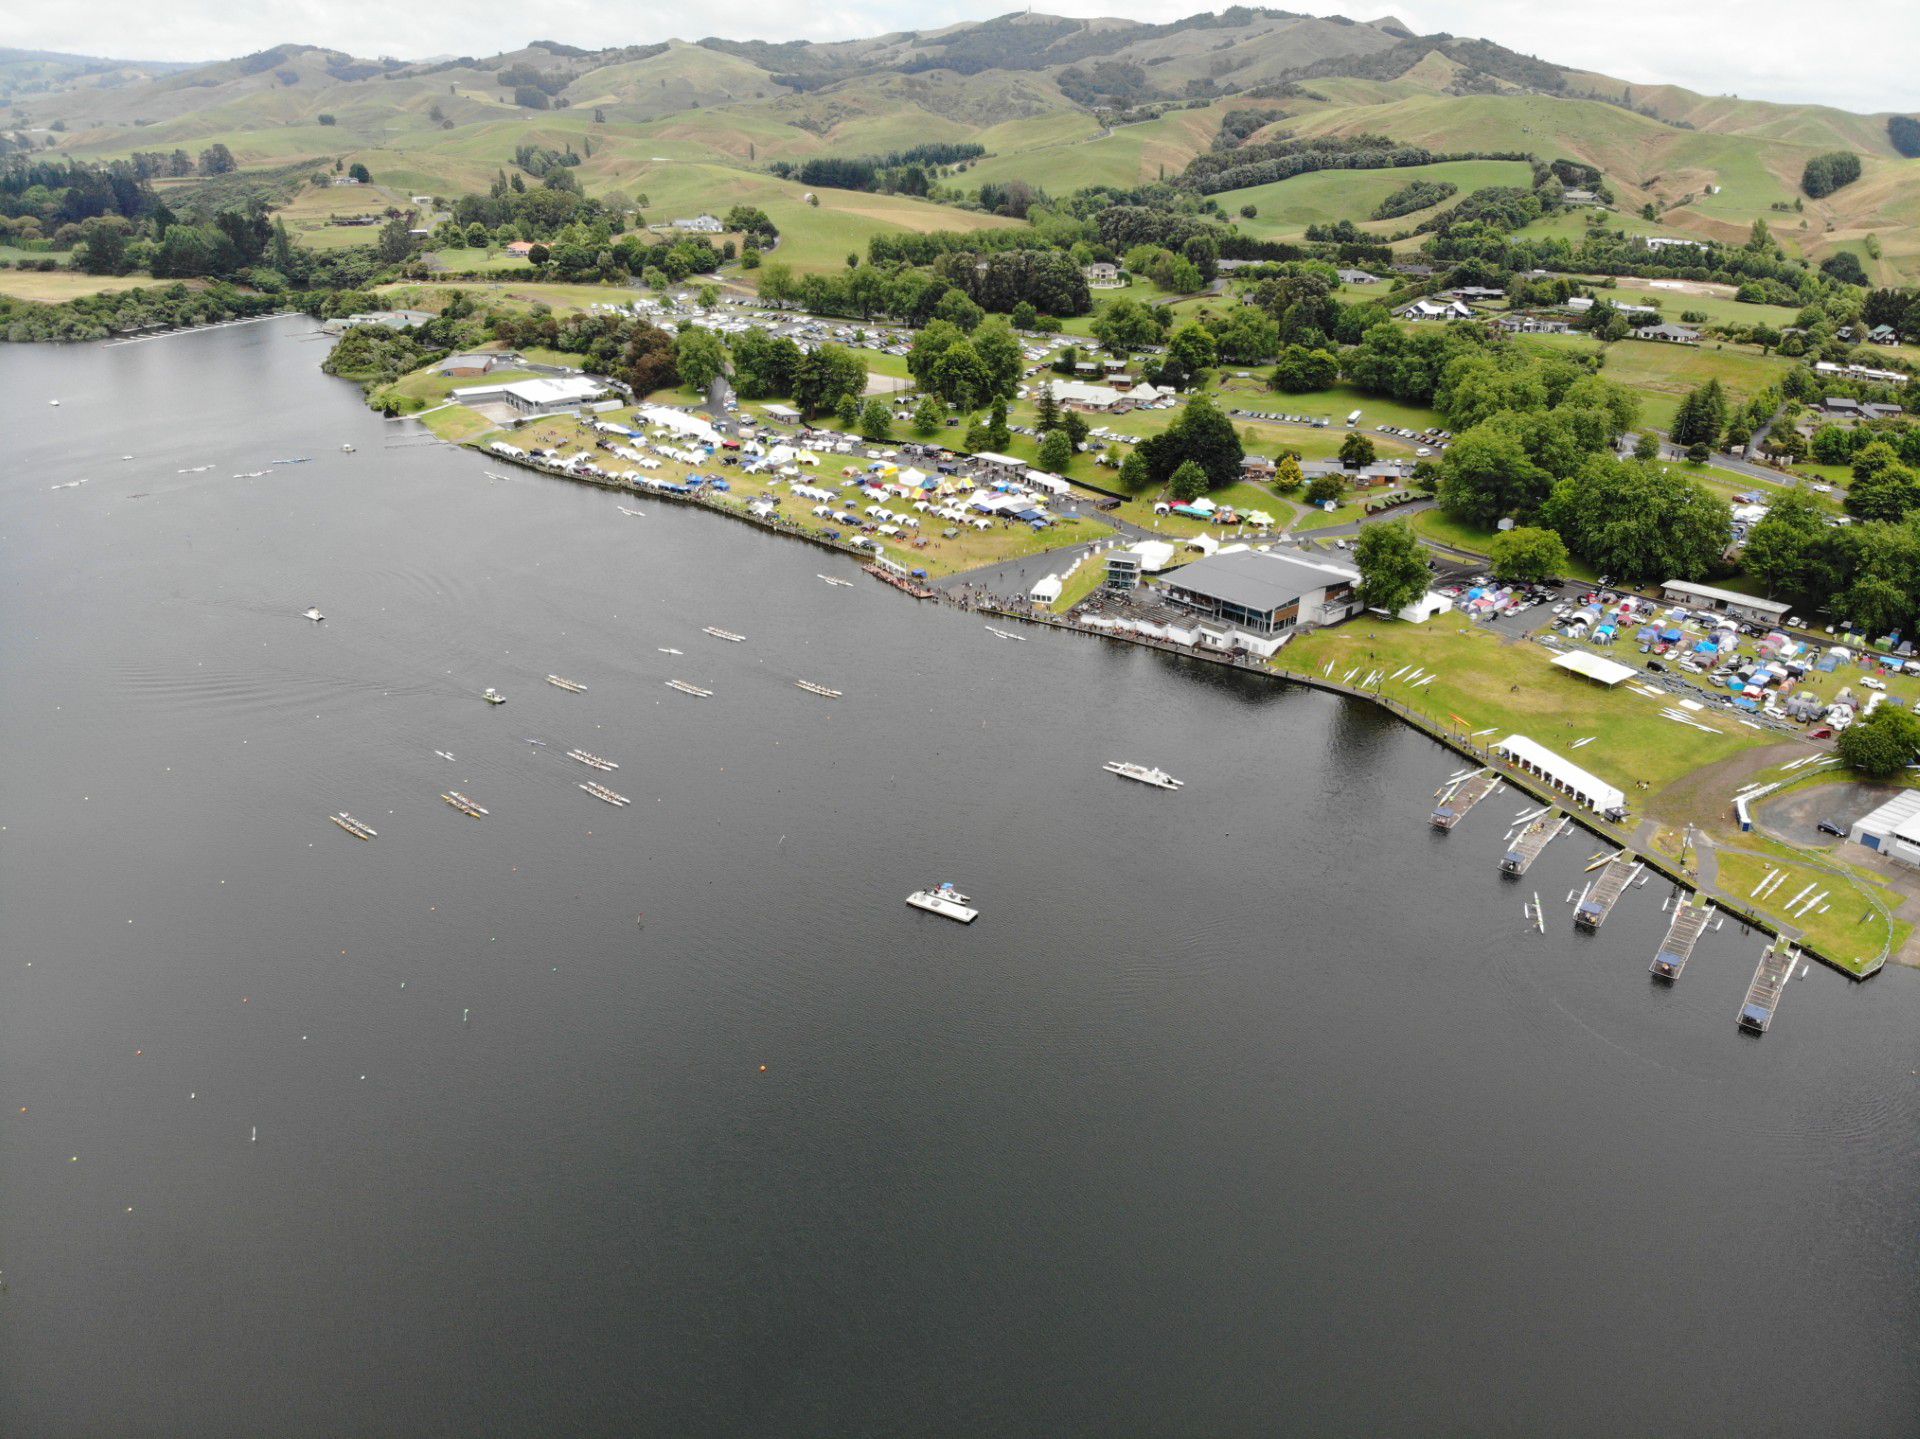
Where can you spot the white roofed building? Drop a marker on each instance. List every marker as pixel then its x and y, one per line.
pixel 1561 775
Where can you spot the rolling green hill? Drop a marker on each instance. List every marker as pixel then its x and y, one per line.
pixel 1057 103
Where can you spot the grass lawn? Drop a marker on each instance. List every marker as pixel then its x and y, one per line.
pixel 1857 919
pixel 1510 685
pixel 1081 583
pixel 52 286
pixel 1440 527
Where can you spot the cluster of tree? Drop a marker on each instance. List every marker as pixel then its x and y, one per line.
pixel 1497 208
pixel 375 355
pixel 1882 745
pixel 906 248
pixel 1826 173
pixel 1050 281
pixel 1838 444
pixel 967 369
pixel 902 172
pixel 1903 133
pixel 523 212
pixel 1203 437
pixel 542 160
pixel 1415 195
pixel 1635 519
pixel 1281 159
pixel 1867 573
pixel 1236 125
pixel 52 193
pixel 96 317
pixel 755 226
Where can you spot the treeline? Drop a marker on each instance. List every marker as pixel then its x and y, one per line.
pixel 1417 195
pixel 1044 282
pixel 98 317
pixel 902 247
pixel 1282 159
pixel 900 172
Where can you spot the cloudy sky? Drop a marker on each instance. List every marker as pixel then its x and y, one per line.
pixel 1760 49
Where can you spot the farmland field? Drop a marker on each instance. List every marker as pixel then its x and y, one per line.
pixel 1287 207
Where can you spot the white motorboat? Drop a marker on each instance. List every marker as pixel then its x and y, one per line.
pixel 945 901
pixel 493 696
pixel 1127 769
pixel 312 612
pixel 346 449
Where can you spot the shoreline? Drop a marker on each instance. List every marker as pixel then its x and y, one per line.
pixel 1596 826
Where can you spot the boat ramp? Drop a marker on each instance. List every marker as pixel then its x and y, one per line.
pixel 1688 924
pixel 1770 978
pixel 1462 795
pixel 1601 895
pixel 1527 845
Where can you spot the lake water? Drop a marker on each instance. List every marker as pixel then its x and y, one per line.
pixel 1253 1109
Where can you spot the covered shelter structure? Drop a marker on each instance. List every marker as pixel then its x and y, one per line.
pixel 1561 775
pixel 1594 667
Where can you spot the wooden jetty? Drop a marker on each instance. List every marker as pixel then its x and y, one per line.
pixel 1689 923
pixel 1605 891
pixel 1770 978
pixel 1463 797
pixel 1530 841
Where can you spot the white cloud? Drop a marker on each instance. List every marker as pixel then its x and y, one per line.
pixel 1758 49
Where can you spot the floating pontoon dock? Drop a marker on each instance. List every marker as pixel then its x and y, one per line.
pixel 1689 923
pixel 1527 845
pixel 1769 982
pixel 1460 798
pixel 1605 891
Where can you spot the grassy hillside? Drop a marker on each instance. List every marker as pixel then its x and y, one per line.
pixel 1709 164
pixel 1287 207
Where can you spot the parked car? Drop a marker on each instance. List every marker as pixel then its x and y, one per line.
pixel 1827 826
pixel 1656 667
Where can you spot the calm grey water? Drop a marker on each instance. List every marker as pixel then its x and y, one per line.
pixel 1250 1110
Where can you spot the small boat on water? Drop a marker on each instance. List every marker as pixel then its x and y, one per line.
pixel 665 651
pixel 69 485
pixel 54 403
pixel 1127 769
pixel 725 634
pixel 529 739
pixel 1005 635
pixel 945 901
pixel 844 584
pixel 312 612
pixel 463 804
pixel 687 689
pixel 346 449
pixel 353 826
pixel 296 460
pixel 813 689
pixel 601 792
pixel 493 474
pixel 592 761
pixel 493 696
pixel 637 514
pixel 444 755
pixel 568 685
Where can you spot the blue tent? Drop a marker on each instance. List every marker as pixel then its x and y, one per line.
pixel 1670 636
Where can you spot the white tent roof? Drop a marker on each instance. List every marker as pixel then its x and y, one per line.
pixel 1563 774
pixel 1594 667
